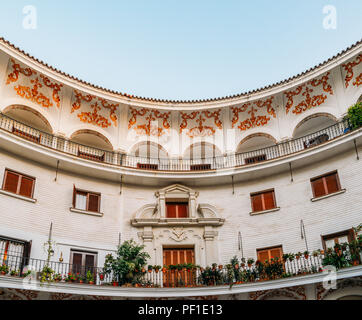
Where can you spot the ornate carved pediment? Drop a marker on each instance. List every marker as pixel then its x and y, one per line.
pixel 200 215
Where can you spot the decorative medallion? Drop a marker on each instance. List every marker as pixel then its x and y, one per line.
pixel 201 130
pixel 178 234
pixel 145 124
pixel 253 121
pixel 305 91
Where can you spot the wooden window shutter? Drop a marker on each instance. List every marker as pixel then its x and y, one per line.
pixel 263 255
pixel 276 253
pixel 11 181
pixel 74 195
pixel 26 187
pixel 269 200
pixel 332 183
pixel 257 202
pixel 182 210
pixel 318 188
pixel 93 202
pixel 170 210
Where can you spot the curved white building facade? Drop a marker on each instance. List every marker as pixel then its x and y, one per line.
pixel 267 172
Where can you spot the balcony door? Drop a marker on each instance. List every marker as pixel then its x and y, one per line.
pixel 175 277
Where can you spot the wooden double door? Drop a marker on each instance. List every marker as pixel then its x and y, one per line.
pixel 176 277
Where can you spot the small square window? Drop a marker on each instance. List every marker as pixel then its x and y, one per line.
pixel 326 184
pixel 262 201
pixel 18 183
pixel 87 201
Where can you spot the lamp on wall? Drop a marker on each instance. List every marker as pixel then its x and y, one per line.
pixel 302 233
pixel 240 244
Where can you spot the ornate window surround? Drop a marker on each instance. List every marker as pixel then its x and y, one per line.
pixel 154 215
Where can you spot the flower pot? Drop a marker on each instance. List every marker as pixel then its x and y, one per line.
pixel 156 270
pixel 164 270
pixel 3 273
pixel 249 265
pixel 236 266
pixel 91 282
pixel 297 257
pixel 149 270
pixel 81 281
pixel 306 256
pixel 355 262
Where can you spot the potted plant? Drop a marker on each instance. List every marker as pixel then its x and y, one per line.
pixel 298 255
pixel 242 262
pixel 71 277
pixel 80 278
pixel 285 257
pixel 90 277
pixel 14 273
pixel 57 277
pixel 101 276
pixel 315 253
pixel 149 268
pixel 220 266
pixel 291 256
pixel 46 274
pixel 156 268
pixel 4 269
pixel 164 269
pixel 306 254
pixel 250 262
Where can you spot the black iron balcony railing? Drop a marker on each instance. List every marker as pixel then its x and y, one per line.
pixel 177 276
pixel 168 164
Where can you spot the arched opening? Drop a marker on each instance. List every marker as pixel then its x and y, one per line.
pixel 316 129
pixel 91 145
pixel 28 117
pixel 313 123
pixel 255 148
pixel 27 123
pixel 147 155
pixel 202 156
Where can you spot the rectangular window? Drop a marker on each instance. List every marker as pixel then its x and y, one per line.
pixel 82 262
pixel 14 253
pixel 325 184
pixel 18 183
pixel 263 201
pixel 177 210
pixel 269 253
pixel 255 159
pixel 330 240
pixel 84 200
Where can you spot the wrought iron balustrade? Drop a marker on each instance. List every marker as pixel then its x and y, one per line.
pixel 168 164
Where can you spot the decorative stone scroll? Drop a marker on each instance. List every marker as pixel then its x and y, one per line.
pixel 199 118
pixel 94 117
pixel 305 91
pixel 32 91
pixel 252 108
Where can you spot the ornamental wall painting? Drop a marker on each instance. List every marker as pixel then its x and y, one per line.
pixel 149 122
pixel 33 86
pixel 199 124
pixel 94 110
pixel 352 72
pixel 253 114
pixel 308 95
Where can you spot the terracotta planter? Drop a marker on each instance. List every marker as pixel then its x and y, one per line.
pixel 3 273
pixel 91 282
pixel 355 262
pixel 306 256
pixel 149 270
pixel 249 265
pixel 164 270
pixel 156 270
pixel 297 257
pixel 81 281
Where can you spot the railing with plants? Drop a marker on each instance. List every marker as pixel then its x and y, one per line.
pixel 168 164
pixel 128 268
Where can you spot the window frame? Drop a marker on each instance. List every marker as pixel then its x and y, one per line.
pixel 178 203
pixel 99 195
pixel 21 175
pixel 269 249
pixel 263 201
pixel 349 233
pixel 84 253
pixel 323 176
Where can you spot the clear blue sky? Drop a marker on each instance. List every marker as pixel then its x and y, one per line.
pixel 185 49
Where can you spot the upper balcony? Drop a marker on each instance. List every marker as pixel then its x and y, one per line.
pixel 21 138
